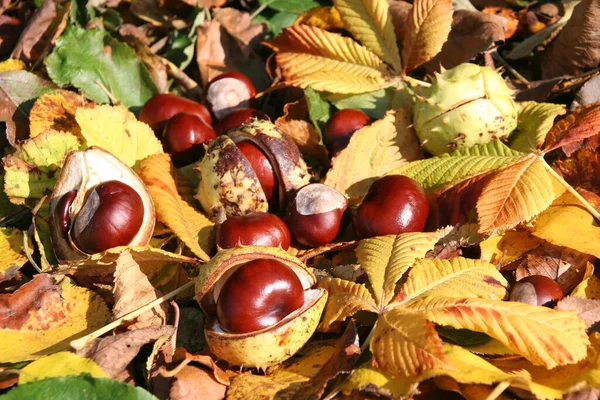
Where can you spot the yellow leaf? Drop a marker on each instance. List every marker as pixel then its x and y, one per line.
pixel 405 343
pixel 191 226
pixel 589 288
pixel 345 299
pixel 429 25
pixel 372 152
pixel 491 347
pixel 312 57
pixel 11 248
pixel 56 315
pixel 327 18
pixel 534 122
pixel 370 22
pixel 55 111
pixel 12 65
pixel 459 277
pixel 63 363
pixel 515 195
pixel 508 247
pixel 367 376
pixel 565 216
pixel 542 335
pixel 116 130
pixel 385 259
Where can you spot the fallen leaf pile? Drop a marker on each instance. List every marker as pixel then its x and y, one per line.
pixel 414 315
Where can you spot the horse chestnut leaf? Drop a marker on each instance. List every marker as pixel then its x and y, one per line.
pixel 340 128
pixel 393 204
pixel 111 216
pixel 537 290
pixel 253 229
pixel 161 108
pixel 261 165
pixel 184 138
pixel 257 295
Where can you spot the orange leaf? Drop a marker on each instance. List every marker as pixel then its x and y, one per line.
pixel 574 128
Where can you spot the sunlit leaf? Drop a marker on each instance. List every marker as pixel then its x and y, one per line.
pixel 534 122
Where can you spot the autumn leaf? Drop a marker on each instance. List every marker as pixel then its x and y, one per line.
pixel 55 111
pixel 344 300
pixel 41 317
pixel 191 226
pixel 63 363
pixel 589 287
pixel 370 22
pixel 534 122
pixel 508 247
pixel 311 57
pixel 11 252
pixel 372 152
pixel 575 127
pixel 429 24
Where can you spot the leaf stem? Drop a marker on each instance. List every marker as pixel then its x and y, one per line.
pixel 28 253
pixel 494 394
pixel 571 190
pixel 80 343
pixel 510 69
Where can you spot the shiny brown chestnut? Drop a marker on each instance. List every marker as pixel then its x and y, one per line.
pixel 253 229
pixel 257 295
pixel 237 118
pixel 184 138
pixel 111 216
pixel 261 166
pixel 340 128
pixel 393 204
pixel 537 290
pixel 228 92
pixel 161 108
pixel 315 214
pixel 61 212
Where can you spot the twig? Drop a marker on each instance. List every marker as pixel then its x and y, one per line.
pixel 182 78
pixel 510 69
pixel 28 253
pixel 80 343
pixel 112 98
pixel 498 391
pixel 571 190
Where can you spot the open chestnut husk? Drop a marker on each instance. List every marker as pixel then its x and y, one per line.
pixel 98 203
pixel 268 345
pixel 229 185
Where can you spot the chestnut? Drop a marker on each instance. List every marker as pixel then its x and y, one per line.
pixel 61 212
pixel 340 127
pixel 393 204
pixel 111 216
pixel 228 92
pixel 315 214
pixel 161 108
pixel 237 118
pixel 253 229
pixel 537 290
pixel 261 166
pixel 184 138
pixel 257 295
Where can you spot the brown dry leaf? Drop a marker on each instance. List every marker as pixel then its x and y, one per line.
pixel 241 28
pixel 511 17
pixel 429 24
pixel 372 152
pixel 191 383
pixel 11 252
pixel 582 124
pixel 589 288
pixel 133 290
pixel 221 375
pixel 327 18
pixel 311 57
pixel 400 11
pixel 56 111
pixel 46 24
pixel 114 353
pixel 581 170
pixel 472 33
pixel 588 310
pixel 205 3
pixel 515 195
pixel 567 267
pixel 212 53
pixel 565 216
pixel 42 317
pixel 577 47
pixel 191 226
pixel 155 64
pixel 10 30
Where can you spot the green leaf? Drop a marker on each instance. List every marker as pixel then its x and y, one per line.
pixel 277 21
pixel 374 104
pixel 296 6
pixel 319 110
pixel 455 167
pixel 82 387
pixel 180 49
pixel 85 58
pixel 535 120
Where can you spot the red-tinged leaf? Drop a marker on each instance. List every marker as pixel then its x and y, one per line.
pixel 582 124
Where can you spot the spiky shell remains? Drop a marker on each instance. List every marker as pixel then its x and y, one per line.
pixel 464 106
pixel 268 346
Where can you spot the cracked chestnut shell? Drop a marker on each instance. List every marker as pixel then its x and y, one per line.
pixel 228 183
pixel 98 203
pixel 270 345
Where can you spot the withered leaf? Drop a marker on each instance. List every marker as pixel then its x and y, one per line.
pixel 240 26
pixel 587 309
pixel 581 170
pixel 576 127
pixel 191 383
pixel 473 32
pixel 56 111
pixel 400 11
pixel 577 47
pixel 10 29
pixel 212 54
pixel 114 353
